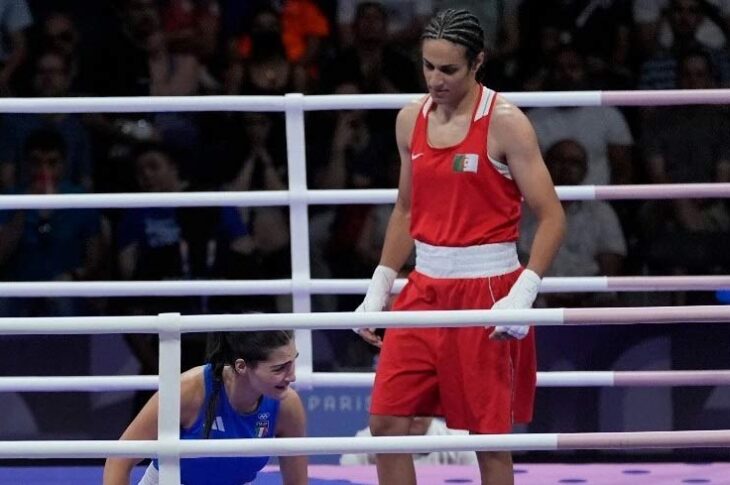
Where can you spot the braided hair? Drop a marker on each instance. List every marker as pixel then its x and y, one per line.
pixel 459 26
pixel 224 348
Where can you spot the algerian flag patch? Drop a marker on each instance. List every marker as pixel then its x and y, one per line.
pixel 466 162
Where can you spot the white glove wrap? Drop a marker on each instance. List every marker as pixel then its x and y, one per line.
pixel 520 297
pixel 378 291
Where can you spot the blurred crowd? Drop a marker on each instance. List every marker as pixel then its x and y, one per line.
pixel 245 47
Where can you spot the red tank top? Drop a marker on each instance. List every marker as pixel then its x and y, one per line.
pixel 459 196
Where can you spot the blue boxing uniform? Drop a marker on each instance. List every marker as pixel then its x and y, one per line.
pixel 227 424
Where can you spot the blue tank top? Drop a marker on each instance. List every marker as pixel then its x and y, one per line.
pixel 228 424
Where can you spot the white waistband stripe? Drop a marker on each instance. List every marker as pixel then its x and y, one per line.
pixel 481 261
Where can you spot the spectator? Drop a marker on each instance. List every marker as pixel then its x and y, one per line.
pixel 48 245
pixel 234 15
pixel 44 245
pixel 653 28
pixel 171 244
pixel 602 131
pixel 679 147
pixel 143 63
pixel 358 156
pixel 262 65
pixel 191 26
pixel 174 73
pixel 371 62
pixel 373 65
pixel 51 78
pixel 600 30
pixel 660 71
pixel 194 27
pixel 16 18
pixel 144 66
pixel 534 65
pixel 263 168
pixel 61 35
pixel 406 19
pixel 171 74
pixel 595 246
pixel 305 28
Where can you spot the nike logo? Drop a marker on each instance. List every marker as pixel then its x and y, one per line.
pixel 416 156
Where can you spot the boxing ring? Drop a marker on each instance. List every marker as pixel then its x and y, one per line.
pixel 168 448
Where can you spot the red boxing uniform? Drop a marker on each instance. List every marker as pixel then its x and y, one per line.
pixel 465 211
pixel 460 197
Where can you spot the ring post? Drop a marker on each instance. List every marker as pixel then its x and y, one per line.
pixel 168 420
pixel 299 230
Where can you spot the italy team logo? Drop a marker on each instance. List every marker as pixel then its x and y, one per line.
pixel 262 428
pixel 466 162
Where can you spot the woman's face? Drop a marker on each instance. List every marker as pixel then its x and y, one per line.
pixel 446 70
pixel 46 168
pixel 567 163
pixel 273 376
pixel 156 173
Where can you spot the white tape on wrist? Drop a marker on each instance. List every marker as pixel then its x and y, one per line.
pixel 378 291
pixel 525 289
pixel 520 297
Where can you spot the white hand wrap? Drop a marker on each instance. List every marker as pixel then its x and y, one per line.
pixel 520 297
pixel 378 291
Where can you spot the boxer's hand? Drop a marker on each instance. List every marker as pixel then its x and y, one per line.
pixel 375 300
pixel 520 297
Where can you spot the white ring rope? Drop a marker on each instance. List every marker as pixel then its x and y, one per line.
pixel 577 284
pixel 78 383
pixel 390 444
pixel 264 198
pixel 348 320
pixel 365 380
pixel 148 104
pixel 565 379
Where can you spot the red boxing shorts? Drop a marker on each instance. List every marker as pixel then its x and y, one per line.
pixel 481 385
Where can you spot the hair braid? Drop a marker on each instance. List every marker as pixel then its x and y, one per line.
pixel 218 354
pixel 458 26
